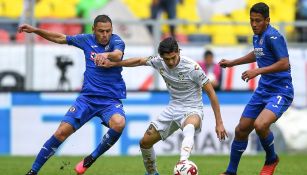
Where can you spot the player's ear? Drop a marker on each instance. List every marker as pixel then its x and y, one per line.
pixel 267 20
pixel 93 28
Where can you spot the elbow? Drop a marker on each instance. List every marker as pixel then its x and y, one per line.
pixel 285 66
pixel 117 59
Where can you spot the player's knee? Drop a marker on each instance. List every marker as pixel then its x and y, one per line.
pixel 61 135
pixel 240 133
pixel 117 123
pixel 260 127
pixel 145 144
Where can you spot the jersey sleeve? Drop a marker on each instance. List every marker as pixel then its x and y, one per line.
pixel 199 76
pixel 278 46
pixel 76 40
pixel 153 61
pixel 118 43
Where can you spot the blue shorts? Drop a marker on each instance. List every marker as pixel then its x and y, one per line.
pixel 277 103
pixel 87 107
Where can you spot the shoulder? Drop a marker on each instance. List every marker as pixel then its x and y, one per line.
pixel 156 59
pixel 116 38
pixel 190 65
pixel 273 34
pixel 188 62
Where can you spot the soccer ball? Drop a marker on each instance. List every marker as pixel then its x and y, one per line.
pixel 185 167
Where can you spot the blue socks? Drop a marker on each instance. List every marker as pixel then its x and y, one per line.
pixel 45 153
pixel 268 146
pixel 237 149
pixel 109 139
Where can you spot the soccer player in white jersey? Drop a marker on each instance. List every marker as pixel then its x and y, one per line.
pixel 185 81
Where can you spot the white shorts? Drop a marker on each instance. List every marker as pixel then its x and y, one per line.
pixel 172 118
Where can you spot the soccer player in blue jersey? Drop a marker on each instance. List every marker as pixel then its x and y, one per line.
pixel 100 95
pixel 273 95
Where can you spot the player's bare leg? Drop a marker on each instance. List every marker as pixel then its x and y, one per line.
pixel 50 146
pixel 262 127
pixel 238 146
pixel 117 124
pixel 191 124
pixel 150 137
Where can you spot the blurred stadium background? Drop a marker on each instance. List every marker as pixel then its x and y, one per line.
pixel 39 80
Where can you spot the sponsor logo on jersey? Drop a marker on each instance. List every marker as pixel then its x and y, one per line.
pixel 258 52
pixel 275 106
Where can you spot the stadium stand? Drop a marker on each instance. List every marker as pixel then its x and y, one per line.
pixel 230 35
pixel 281 11
pixel 4 36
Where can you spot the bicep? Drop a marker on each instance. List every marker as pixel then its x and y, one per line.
pixel 118 54
pixel 283 63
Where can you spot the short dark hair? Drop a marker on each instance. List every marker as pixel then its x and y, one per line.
pixel 261 8
pixel 168 45
pixel 102 18
pixel 207 53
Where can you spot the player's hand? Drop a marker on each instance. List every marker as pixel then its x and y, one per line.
pixel 221 132
pixel 225 63
pixel 249 74
pixel 103 62
pixel 26 28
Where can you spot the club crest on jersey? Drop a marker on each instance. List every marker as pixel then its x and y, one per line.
pixel 72 109
pixel 107 48
pixel 161 71
pixel 261 41
pixel 180 76
pixel 93 55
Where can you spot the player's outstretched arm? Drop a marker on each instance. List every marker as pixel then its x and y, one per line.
pixel 131 62
pixel 249 58
pixel 116 55
pixel 219 128
pixel 48 35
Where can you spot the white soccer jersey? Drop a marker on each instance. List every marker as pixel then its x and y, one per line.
pixel 184 82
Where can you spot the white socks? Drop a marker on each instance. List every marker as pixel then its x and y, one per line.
pixel 149 158
pixel 188 141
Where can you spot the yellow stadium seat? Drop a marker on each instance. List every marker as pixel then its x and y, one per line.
pixel 73 2
pixel 43 10
pixel 64 11
pixel 13 9
pixel 2 13
pixel 205 29
pixel 223 34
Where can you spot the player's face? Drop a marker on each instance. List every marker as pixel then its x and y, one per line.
pixel 171 59
pixel 258 23
pixel 103 32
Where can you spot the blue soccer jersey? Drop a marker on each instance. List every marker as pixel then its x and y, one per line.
pixel 269 48
pixel 275 90
pixel 98 81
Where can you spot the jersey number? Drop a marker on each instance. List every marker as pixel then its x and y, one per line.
pixel 279 99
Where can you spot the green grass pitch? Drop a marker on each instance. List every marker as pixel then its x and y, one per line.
pixel 132 165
